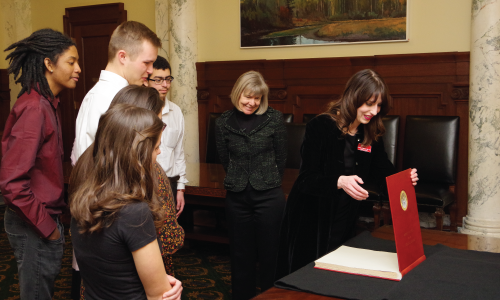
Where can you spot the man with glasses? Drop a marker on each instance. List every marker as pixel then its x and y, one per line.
pixel 171 157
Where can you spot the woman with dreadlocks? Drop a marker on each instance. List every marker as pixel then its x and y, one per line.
pixel 31 173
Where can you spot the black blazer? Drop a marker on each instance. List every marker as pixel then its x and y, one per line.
pixel 258 157
pixel 311 204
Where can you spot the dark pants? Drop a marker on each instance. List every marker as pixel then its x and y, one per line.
pixel 254 220
pixel 38 259
pixel 173 185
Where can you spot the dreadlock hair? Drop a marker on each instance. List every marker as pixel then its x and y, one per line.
pixel 29 55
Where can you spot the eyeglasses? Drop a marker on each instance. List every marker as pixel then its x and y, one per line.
pixel 159 80
pixel 164 126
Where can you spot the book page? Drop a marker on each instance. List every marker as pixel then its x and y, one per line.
pixel 362 259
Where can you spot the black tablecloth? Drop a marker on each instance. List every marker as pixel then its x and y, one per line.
pixel 446 274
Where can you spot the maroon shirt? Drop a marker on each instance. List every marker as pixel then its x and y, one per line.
pixel 31 173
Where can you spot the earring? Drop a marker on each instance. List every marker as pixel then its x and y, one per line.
pixel 51 71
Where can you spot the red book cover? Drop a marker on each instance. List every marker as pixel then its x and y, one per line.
pixel 405 221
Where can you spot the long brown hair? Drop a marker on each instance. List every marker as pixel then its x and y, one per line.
pixel 117 169
pixel 140 96
pixel 359 89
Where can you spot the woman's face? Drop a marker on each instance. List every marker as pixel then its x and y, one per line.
pixel 249 103
pixel 368 110
pixel 65 72
pixel 157 150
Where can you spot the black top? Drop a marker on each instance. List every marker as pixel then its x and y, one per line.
pixel 350 147
pixel 256 156
pixel 246 122
pixel 105 258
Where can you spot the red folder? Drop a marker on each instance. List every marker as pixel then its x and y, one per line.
pixel 405 221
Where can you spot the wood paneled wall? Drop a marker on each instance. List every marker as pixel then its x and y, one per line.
pixel 4 101
pixel 420 84
pixel 4 98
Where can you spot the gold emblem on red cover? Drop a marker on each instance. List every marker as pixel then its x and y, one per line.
pixel 404 200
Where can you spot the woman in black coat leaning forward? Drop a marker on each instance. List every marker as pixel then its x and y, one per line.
pixel 251 142
pixel 341 151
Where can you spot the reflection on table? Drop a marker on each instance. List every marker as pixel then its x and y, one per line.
pixel 203 217
pixel 208 180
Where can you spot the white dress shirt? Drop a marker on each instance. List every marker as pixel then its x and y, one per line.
pixel 94 105
pixel 171 157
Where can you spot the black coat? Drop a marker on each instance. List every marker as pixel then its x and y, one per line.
pixel 258 157
pixel 305 234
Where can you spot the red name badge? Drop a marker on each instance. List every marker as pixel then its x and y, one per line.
pixel 365 149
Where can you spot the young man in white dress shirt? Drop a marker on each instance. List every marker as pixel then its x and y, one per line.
pixel 171 157
pixel 132 51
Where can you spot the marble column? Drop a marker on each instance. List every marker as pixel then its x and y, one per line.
pixel 16 25
pixel 483 217
pixel 176 27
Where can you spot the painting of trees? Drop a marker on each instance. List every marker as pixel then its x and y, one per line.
pixel 287 16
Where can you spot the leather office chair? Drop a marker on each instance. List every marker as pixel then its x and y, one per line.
pixel 308 117
pixel 288 118
pixel 295 132
pixel 212 156
pixel 431 146
pixel 391 124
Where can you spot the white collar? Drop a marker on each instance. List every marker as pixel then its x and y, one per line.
pixel 167 107
pixel 113 78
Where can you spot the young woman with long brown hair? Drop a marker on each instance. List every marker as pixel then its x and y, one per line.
pixel 116 212
pixel 342 150
pixel 171 234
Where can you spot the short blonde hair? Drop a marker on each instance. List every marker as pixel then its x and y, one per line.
pixel 253 83
pixel 129 36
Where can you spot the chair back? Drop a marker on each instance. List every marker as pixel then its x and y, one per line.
pixel 212 156
pixel 288 118
pixel 391 124
pixel 431 146
pixel 308 117
pixel 295 133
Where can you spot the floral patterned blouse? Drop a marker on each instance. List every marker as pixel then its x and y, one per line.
pixel 171 234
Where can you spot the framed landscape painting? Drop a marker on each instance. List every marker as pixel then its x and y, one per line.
pixel 313 22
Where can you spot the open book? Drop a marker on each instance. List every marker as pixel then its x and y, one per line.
pixel 361 262
pixel 410 251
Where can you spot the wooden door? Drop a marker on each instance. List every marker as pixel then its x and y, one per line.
pixel 91 28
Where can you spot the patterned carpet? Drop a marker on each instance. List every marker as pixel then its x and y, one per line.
pixel 203 268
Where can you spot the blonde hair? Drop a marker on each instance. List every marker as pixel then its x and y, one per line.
pixel 252 83
pixel 129 36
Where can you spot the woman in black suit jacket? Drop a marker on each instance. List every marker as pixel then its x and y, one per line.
pixel 341 151
pixel 251 142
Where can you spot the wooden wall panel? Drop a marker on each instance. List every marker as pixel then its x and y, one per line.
pixel 4 101
pixel 4 98
pixel 421 84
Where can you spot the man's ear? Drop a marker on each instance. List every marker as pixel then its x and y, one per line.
pixel 122 56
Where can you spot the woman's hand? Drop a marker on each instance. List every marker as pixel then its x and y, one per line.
pixel 175 292
pixel 414 176
pixel 350 185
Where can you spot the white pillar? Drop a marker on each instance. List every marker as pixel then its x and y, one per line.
pixel 176 27
pixel 16 25
pixel 483 216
